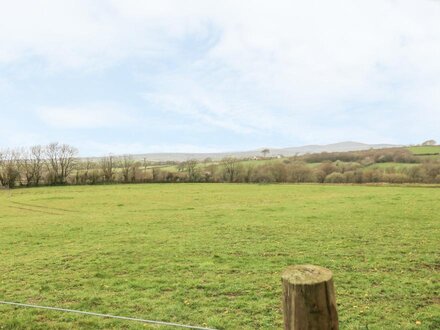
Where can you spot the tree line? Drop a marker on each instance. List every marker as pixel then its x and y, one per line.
pixel 58 164
pixel 51 164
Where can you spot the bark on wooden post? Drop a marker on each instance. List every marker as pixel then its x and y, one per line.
pixel 309 298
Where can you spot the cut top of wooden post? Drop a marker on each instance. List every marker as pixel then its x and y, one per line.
pixel 306 274
pixel 309 301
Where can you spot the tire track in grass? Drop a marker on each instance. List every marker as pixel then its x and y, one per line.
pixel 43 207
pixel 33 210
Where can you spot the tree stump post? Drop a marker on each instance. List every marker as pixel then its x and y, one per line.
pixel 309 301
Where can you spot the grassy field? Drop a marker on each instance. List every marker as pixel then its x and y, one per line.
pixel 425 150
pixel 397 166
pixel 212 254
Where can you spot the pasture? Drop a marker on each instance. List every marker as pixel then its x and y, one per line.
pixel 212 254
pixel 425 150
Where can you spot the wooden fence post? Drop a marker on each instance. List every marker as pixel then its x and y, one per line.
pixel 309 301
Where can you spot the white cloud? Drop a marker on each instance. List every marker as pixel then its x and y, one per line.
pixel 311 70
pixel 82 34
pixel 85 117
pixel 201 106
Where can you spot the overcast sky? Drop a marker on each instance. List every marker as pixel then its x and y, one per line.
pixel 148 76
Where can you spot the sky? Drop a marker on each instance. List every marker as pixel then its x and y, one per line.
pixel 125 76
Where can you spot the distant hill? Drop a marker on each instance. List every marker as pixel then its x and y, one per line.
pixel 292 151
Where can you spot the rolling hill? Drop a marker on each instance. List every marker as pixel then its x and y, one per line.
pixel 291 151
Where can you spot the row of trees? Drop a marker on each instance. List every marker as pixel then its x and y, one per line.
pixel 297 171
pixel 51 164
pixel 364 157
pixel 57 164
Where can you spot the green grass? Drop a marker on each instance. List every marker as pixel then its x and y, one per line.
pixel 262 161
pixel 425 150
pixel 397 166
pixel 212 254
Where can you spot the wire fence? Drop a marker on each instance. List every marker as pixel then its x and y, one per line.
pixel 154 322
pixel 161 323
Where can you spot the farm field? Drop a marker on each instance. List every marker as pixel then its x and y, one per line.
pixel 398 166
pixel 212 254
pixel 425 150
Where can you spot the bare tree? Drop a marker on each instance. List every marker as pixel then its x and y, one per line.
pixel 60 161
pixel 127 163
pixel 107 168
pixel 135 174
pixel 26 166
pixel 247 173
pixel 230 168
pixel 31 164
pixel 145 164
pixel 156 172
pixel 83 171
pixel 89 164
pixel 191 168
pixel 2 166
pixel 37 163
pixel 9 171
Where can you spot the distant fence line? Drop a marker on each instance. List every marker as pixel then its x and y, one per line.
pixel 105 315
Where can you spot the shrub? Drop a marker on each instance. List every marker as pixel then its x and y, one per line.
pixel 353 176
pixel 319 175
pixel 432 170
pixel 279 172
pixel 328 167
pixel 300 172
pixel 335 177
pixel 262 174
pixel 372 176
pixel 416 174
pixel 395 178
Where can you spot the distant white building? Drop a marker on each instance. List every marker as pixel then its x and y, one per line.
pixel 429 143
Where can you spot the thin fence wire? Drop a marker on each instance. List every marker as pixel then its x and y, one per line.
pixel 162 323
